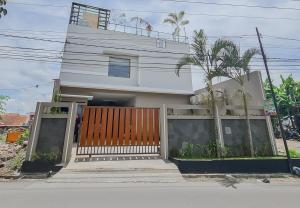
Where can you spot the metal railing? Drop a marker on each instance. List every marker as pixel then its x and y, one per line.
pixel 98 18
pixel 146 33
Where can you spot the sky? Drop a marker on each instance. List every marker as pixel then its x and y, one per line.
pixel 30 81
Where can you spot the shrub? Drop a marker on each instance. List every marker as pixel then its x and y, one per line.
pixel 49 156
pixel 24 137
pixel 16 163
pixel 294 153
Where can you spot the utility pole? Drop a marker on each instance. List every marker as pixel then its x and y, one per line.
pixel 275 103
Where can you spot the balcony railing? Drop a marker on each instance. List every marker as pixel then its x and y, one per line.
pixel 144 32
pixel 98 18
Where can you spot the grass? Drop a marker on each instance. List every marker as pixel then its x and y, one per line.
pixel 16 163
pixel 2 138
pixel 234 158
pixel 294 153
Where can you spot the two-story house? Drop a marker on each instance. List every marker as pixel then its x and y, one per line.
pixel 116 65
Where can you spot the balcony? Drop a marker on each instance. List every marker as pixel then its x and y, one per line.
pixel 98 18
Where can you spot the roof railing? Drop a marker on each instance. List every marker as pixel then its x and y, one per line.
pixel 98 18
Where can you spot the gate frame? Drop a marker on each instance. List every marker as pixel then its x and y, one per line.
pixel 151 149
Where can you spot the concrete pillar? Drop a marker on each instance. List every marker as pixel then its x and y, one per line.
pixel 34 132
pixel 163 132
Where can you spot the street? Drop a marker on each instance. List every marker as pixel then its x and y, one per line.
pixel 39 193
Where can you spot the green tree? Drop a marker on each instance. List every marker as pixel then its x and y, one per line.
pixel 287 94
pixel 3 11
pixel 3 100
pixel 238 69
pixel 178 21
pixel 211 62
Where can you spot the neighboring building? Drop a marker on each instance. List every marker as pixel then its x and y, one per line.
pixel 105 67
pixel 9 120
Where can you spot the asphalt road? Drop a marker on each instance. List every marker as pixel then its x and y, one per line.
pixel 31 194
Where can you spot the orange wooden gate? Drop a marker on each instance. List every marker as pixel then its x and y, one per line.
pixel 119 130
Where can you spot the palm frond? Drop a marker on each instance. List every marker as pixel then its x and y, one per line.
pixel 173 16
pixel 180 15
pixel 169 20
pixel 246 59
pixel 184 22
pixel 219 48
pixel 187 60
pixel 199 45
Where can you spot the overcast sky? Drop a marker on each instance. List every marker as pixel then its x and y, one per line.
pixel 48 19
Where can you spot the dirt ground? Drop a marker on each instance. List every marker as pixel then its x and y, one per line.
pixel 292 144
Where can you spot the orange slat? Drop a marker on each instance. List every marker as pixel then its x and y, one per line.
pixel 91 126
pixel 145 127
pixel 127 125
pixel 121 126
pixel 133 127
pixel 116 126
pixel 109 126
pixel 139 126
pixel 97 127
pixel 84 125
pixel 156 127
pixel 150 126
pixel 103 126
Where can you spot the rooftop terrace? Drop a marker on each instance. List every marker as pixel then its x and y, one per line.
pixel 99 18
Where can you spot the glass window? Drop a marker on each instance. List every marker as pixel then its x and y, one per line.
pixel 119 67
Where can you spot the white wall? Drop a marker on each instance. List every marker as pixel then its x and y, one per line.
pixel 145 73
pixel 253 87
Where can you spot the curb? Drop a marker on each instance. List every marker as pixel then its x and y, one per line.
pixel 261 176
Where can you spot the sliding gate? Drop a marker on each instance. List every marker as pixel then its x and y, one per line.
pixel 118 130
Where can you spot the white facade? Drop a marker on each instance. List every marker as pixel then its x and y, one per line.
pixel 85 62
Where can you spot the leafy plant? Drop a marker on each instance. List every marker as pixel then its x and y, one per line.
pixel 3 100
pixel 178 21
pixel 174 152
pixel 16 163
pixel 294 153
pixel 3 11
pixel 50 156
pixel 24 137
pixel 287 94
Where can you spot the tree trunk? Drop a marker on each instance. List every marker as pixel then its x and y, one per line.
pixel 249 134
pixel 213 111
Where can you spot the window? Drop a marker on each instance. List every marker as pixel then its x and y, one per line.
pixel 119 67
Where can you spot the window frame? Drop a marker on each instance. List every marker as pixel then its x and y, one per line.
pixel 122 58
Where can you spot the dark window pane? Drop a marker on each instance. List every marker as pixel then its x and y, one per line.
pixel 119 67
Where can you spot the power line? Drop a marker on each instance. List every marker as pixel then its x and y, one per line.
pixel 167 12
pixel 141 68
pixel 58 52
pixel 91 45
pixel 234 5
pixel 28 87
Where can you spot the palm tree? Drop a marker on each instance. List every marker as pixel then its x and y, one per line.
pixel 177 21
pixel 2 10
pixel 238 68
pixel 139 21
pixel 210 61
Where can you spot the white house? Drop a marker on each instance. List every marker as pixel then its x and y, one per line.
pixel 114 65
